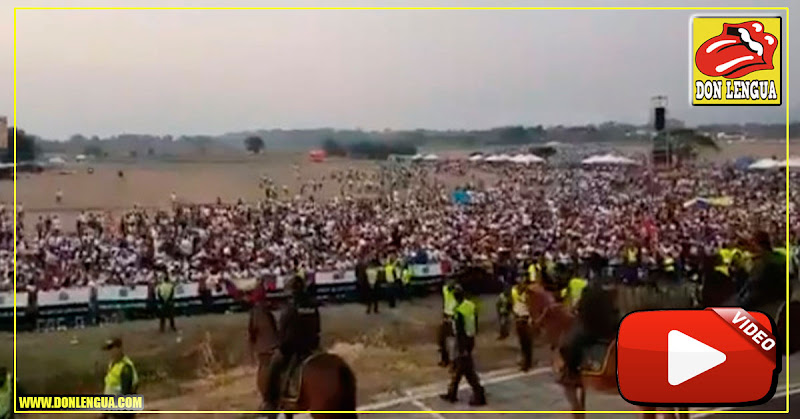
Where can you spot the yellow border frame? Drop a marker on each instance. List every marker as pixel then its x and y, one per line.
pixel 786 93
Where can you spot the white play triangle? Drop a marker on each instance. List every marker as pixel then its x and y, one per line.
pixel 687 357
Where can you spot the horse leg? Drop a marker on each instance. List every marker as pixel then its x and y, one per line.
pixel 574 400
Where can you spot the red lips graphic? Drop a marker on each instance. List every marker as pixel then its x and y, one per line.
pixel 740 49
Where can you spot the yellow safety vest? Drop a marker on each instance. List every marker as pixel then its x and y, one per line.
pixel 573 291
pixel 449 301
pixel 669 265
pixel 726 255
pixel 5 397
pixel 467 311
pixel 534 272
pixel 518 303
pixel 165 290
pixel 630 255
pixel 372 275
pixel 389 269
pixel 406 276
pixel 113 379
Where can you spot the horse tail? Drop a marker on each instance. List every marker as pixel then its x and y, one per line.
pixel 347 381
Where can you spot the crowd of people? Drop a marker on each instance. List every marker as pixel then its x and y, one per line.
pixel 564 213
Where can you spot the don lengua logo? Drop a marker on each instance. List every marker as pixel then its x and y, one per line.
pixel 736 61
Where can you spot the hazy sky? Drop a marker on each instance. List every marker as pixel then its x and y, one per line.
pixel 193 72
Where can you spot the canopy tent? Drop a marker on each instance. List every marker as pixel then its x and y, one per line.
pixel 764 164
pixel 56 160
pixel 431 157
pixel 495 158
pixel 477 157
pixel 609 159
pixel 794 162
pixel 526 159
pixel 418 157
pixel 80 157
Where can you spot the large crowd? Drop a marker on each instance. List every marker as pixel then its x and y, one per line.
pixel 406 210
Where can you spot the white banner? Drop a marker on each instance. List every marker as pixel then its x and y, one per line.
pixel 335 277
pixel 119 292
pixel 79 295
pixel 426 271
pixel 7 300
pixel 190 290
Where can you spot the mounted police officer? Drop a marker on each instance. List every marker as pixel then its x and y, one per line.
pixel 766 288
pixel 596 320
pixel 298 332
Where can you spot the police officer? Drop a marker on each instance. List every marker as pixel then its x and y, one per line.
pixel 298 332
pixel 464 329
pixel 373 286
pixel 391 277
pixel 406 280
pixel 596 320
pixel 522 322
pixel 446 327
pixel 165 294
pixel 766 289
pixel 503 307
pixel 121 377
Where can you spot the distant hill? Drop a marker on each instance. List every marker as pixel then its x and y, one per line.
pixel 150 146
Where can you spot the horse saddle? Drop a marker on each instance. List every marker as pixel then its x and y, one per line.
pixel 291 380
pixel 596 356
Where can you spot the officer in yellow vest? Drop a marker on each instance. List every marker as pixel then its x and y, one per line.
pixel 572 292
pixel 446 327
pixel 390 274
pixel 165 294
pixel 522 322
pixel 535 271
pixel 372 287
pixel 503 307
pixel 465 329
pixel 121 377
pixel 406 280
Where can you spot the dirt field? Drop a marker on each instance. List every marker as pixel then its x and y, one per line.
pixel 151 184
pixel 389 352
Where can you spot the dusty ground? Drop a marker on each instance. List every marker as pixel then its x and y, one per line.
pixel 389 352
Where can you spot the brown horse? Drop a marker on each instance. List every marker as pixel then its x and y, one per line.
pixel 327 384
pixel 553 320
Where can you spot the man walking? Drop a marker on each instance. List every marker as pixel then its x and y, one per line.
pixel 522 322
pixel 465 329
pixel 121 377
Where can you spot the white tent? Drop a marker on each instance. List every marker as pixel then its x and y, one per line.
pixel 766 164
pixel 794 162
pixel 80 157
pixel 495 158
pixel 418 157
pixel 477 157
pixel 431 157
pixel 56 160
pixel 608 159
pixel 526 159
